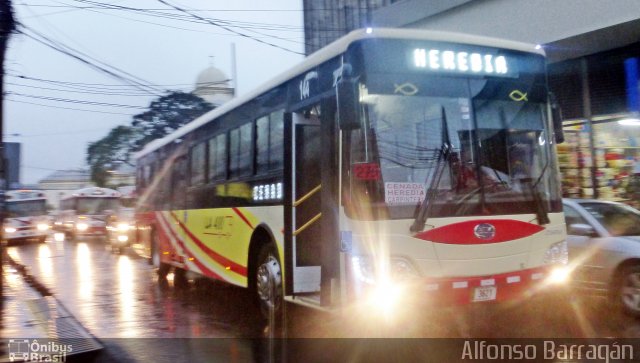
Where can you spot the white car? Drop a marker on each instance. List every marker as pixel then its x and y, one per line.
pixel 604 246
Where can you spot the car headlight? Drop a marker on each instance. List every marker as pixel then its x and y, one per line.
pixel 82 226
pixel 123 227
pixel 557 253
pixel 9 229
pixel 42 226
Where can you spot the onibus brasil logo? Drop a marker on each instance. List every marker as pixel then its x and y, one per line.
pixel 30 350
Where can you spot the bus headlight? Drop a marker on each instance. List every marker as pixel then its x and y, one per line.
pixel 362 269
pixel 385 298
pixel 365 271
pixel 42 226
pixel 82 227
pixel 559 274
pixel 557 254
pixel 10 229
pixel 123 227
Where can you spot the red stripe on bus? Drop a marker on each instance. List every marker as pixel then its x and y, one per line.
pixel 190 255
pixel 480 232
pixel 242 217
pixel 225 262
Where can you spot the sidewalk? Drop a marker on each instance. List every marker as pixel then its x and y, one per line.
pixel 30 315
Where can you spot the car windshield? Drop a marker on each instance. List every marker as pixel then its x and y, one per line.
pixel 617 219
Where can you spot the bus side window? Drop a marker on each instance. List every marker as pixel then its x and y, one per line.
pixel 218 157
pixel 179 183
pixel 198 164
pixel 269 142
pixel 240 161
pixel 276 140
pixel 262 145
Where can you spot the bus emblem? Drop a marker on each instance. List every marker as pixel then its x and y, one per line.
pixel 484 231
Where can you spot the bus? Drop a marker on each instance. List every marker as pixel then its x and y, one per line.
pixel 86 212
pixel 26 216
pixel 391 166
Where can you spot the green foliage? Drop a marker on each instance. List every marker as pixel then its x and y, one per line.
pixel 109 152
pixel 165 115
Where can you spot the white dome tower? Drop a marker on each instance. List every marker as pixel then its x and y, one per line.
pixel 213 86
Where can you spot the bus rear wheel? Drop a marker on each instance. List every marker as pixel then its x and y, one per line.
pixel 268 281
pixel 162 268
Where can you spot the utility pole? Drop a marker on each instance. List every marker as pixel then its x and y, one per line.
pixel 7 25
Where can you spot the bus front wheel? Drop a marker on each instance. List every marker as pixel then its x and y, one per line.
pixel 268 281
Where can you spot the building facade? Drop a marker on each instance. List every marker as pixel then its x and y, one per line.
pixel 62 183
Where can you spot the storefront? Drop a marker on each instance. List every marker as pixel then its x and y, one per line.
pixel 599 97
pixel 606 170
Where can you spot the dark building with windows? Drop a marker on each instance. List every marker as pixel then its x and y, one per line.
pixel 12 156
pixel 328 20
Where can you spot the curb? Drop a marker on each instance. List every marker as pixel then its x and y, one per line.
pixel 44 315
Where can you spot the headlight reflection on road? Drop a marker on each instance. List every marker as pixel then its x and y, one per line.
pixel 44 262
pixel 125 286
pixel 85 271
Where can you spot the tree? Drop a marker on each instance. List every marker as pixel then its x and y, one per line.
pixel 110 152
pixel 165 114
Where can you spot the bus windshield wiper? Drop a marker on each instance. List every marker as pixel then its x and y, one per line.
pixel 442 159
pixel 542 214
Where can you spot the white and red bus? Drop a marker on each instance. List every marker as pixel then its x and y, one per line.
pixel 86 211
pixel 26 216
pixel 392 164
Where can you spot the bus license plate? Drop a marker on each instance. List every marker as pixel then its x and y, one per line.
pixel 485 293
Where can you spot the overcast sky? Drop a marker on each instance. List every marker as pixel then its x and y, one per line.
pixel 53 112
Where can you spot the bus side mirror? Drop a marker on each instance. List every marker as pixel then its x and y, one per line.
pixel 556 115
pixel 348 105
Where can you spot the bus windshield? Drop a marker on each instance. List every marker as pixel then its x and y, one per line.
pixel 97 206
pixel 497 161
pixel 29 208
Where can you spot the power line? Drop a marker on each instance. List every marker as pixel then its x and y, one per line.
pixel 82 102
pixel 70 108
pixel 227 28
pixel 102 93
pixel 40 38
pixel 99 84
pixel 54 133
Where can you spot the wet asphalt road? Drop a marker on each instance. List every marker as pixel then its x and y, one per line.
pixel 119 299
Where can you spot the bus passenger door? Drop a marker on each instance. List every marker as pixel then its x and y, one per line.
pixel 178 212
pixel 306 204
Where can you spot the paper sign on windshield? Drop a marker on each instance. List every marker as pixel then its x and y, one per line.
pixel 404 193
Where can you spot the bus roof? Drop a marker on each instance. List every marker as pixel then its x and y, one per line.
pixel 94 192
pixel 334 49
pixel 23 195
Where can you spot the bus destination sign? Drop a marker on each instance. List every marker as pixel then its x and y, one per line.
pixel 462 62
